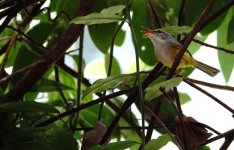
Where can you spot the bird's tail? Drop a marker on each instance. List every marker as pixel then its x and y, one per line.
pixel 206 68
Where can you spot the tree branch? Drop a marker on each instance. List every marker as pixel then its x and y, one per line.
pixel 50 56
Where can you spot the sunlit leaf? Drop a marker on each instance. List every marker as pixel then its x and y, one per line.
pixel 154 91
pixel 115 65
pixel 184 98
pixel 122 145
pixel 113 10
pixel 204 148
pixel 120 37
pixel 144 46
pixel 102 34
pixel 174 30
pixel 96 18
pixel 108 15
pixel 108 83
pixel 158 143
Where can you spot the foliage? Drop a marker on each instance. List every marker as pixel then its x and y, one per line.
pixel 48 102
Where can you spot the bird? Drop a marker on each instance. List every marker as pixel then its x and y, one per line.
pixel 166 48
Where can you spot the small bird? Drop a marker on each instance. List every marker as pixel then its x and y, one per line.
pixel 167 48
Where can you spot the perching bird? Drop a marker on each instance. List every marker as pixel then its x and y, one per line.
pixel 167 48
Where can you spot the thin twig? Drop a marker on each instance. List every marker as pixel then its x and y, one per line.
pixel 7 53
pixel 57 79
pixel 111 59
pixel 141 98
pixel 180 17
pixel 225 134
pixel 210 95
pixel 212 85
pixel 219 12
pixel 164 126
pixel 81 107
pixel 184 133
pixel 214 47
pixel 155 14
pixel 154 74
pixel 228 140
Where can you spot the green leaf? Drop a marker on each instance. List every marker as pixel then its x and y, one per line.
pixel 108 83
pixel 184 98
pixel 204 148
pixel 108 15
pixel 158 143
pixel 122 145
pixel 97 18
pixel 141 18
pixel 154 91
pixel 102 34
pixel 27 106
pixel 175 30
pixel 46 85
pixel 115 65
pixel 225 59
pixel 118 9
pixel 230 35
pixel 97 147
pixel 120 37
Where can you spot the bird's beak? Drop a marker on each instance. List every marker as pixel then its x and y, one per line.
pixel 147 33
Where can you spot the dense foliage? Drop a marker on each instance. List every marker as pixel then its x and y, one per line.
pixel 47 102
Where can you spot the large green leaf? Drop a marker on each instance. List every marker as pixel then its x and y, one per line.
pixel 115 65
pixel 96 18
pixel 154 91
pixel 158 143
pixel 102 34
pixel 204 148
pixel 27 106
pixel 108 15
pixel 141 18
pixel 175 30
pixel 225 59
pixel 120 37
pixel 110 82
pixel 122 145
pixel 46 85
